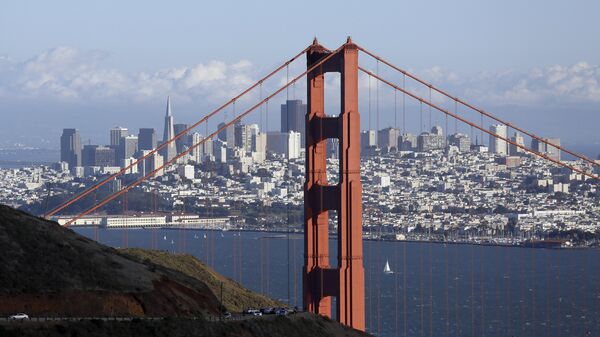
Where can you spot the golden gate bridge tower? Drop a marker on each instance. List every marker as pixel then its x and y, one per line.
pixel 321 281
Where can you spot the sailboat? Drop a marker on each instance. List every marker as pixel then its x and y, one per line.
pixel 386 269
pixel 195 236
pixel 205 236
pixel 165 238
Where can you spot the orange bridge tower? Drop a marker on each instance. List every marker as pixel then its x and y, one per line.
pixel 345 281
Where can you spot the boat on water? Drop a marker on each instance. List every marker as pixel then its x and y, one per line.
pixel 195 236
pixel 165 238
pixel 172 242
pixel 205 236
pixel 387 269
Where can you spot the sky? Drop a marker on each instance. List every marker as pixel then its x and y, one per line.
pixel 95 65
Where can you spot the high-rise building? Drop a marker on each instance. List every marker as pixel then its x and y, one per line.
pixel 127 147
pixel 293 114
pixel 437 130
pixel 547 149
pixel 104 156
pixel 368 138
pixel 286 143
pixel 428 142
pixel 228 134
pixel 515 150
pixel 116 134
pixel 70 147
pixel 88 155
pixel 208 147
pixel 259 146
pixel 407 142
pixel 461 141
pixel 434 140
pixel 552 151
pixel 150 164
pixel 388 138
pixel 220 151
pixel 182 142
pixel 498 145
pixel 333 148
pixel 169 151
pixel 197 152
pixel 147 139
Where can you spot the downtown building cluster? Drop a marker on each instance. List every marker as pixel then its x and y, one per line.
pixel 238 140
pixel 424 187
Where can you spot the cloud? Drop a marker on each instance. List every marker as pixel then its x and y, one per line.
pixel 69 74
pixel 577 83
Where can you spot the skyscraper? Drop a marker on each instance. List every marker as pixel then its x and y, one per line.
pixel 116 134
pixel 147 139
pixel 461 141
pixel 552 151
pixel 286 143
pixel 70 147
pixel 547 149
pixel 104 156
pixel 388 138
pixel 88 155
pixel 197 152
pixel 368 138
pixel 293 113
pixel 244 134
pixel 170 151
pixel 127 148
pixel 498 145
pixel 182 141
pixel 515 150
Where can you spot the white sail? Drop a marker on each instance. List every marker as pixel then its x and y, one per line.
pixel 387 269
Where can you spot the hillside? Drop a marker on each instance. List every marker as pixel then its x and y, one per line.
pixel 52 271
pixel 236 298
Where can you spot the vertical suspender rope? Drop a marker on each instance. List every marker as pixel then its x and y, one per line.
pixel 377 106
pixel 421 116
pixel 370 114
pixel 404 314
pixel 287 110
pixel 456 113
pixel 430 126
pixel 395 109
pixel 404 103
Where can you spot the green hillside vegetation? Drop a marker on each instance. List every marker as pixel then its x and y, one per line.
pixel 236 298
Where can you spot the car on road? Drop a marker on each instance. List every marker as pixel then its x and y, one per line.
pixel 267 311
pixel 18 317
pixel 257 313
pixel 281 312
pixel 249 311
pixel 227 315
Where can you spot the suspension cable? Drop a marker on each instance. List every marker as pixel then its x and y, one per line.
pixel 470 106
pixel 185 152
pixel 535 152
pixel 174 138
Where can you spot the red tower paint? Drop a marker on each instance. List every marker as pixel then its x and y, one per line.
pixel 321 281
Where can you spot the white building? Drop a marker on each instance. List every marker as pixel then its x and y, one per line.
pixel 186 171
pixel 498 145
pixel 197 152
pixel 286 143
